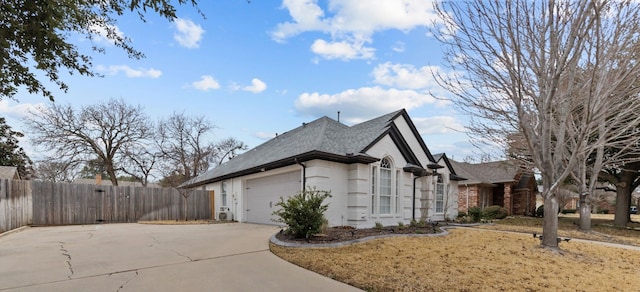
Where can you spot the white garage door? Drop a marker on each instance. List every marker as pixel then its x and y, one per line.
pixel 263 194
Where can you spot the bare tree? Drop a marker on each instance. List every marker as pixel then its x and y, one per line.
pixel 56 171
pixel 99 131
pixel 516 68
pixel 186 147
pixel 141 160
pixel 227 149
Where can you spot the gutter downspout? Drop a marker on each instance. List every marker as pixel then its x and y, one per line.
pixel 304 173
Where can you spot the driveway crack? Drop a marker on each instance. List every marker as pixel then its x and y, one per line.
pixel 127 281
pixel 157 244
pixel 65 253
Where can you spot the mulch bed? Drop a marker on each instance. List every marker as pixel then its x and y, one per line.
pixel 348 233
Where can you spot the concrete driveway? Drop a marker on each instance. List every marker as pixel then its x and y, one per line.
pixel 139 257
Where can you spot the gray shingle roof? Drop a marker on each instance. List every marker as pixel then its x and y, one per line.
pixel 487 172
pixel 324 135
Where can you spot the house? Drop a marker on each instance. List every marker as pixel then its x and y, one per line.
pixel 377 171
pixel 501 183
pixel 9 172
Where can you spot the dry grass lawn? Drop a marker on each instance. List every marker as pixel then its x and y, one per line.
pixel 472 260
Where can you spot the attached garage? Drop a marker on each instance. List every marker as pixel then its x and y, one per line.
pixel 262 194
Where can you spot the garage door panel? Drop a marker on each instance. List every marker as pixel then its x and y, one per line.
pixel 263 194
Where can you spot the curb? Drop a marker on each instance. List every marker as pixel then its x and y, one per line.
pixel 12 231
pixel 281 243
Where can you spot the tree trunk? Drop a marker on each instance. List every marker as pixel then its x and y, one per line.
pixel 623 201
pixel 108 165
pixel 584 224
pixel 550 222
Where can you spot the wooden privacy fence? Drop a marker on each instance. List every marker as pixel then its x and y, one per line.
pixel 16 207
pixel 47 203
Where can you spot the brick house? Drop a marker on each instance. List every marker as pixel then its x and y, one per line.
pixel 500 183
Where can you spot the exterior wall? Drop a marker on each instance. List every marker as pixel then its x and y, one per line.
pixel 236 192
pixel 334 177
pixel 468 197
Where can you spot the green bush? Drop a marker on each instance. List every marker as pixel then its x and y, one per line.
pixel 494 212
pixel 475 213
pixel 569 211
pixel 378 225
pixel 303 213
pixel 540 211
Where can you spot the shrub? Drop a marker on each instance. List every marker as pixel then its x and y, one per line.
pixel 413 223
pixel 540 211
pixel 400 225
pixel 605 211
pixel 475 213
pixel 378 225
pixel 495 212
pixel 462 214
pixel 303 213
pixel 569 211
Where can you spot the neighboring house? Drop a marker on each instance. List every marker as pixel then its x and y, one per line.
pixel 9 172
pixel 377 171
pixel 500 183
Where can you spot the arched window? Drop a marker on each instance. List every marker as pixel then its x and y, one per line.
pixel 385 186
pixel 439 194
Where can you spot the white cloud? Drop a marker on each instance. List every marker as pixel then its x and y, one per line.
pixel 18 110
pixel 206 83
pixel 130 72
pixel 306 15
pixel 438 125
pixel 361 104
pixel 256 86
pixel 353 21
pixel 342 50
pixel 405 75
pixel 188 33
pixel 398 47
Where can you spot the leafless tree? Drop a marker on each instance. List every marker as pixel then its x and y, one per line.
pixel 185 146
pixel 99 131
pixel 227 149
pixel 141 160
pixel 187 149
pixel 515 68
pixel 56 171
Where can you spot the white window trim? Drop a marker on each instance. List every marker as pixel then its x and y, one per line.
pixel 440 186
pixel 375 177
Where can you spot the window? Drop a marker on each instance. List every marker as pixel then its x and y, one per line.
pixel 385 199
pixel 439 195
pixel 223 194
pixel 373 189
pixel 385 186
pixel 397 193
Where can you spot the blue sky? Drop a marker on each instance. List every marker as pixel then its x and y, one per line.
pixel 265 67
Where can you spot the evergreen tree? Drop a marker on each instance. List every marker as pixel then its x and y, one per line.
pixel 11 154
